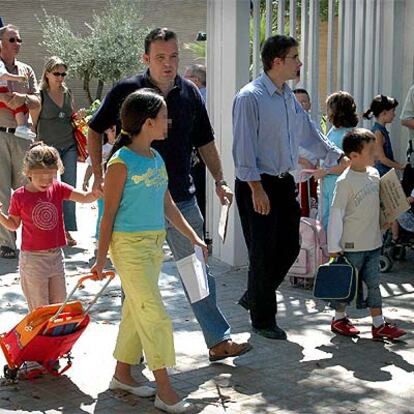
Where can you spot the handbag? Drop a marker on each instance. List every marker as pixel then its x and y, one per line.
pixel 80 138
pixel 336 280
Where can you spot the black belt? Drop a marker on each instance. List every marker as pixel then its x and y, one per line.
pixel 9 130
pixel 278 176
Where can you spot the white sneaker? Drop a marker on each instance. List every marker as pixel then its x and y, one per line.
pixel 143 391
pixel 30 370
pixel 180 407
pixel 24 132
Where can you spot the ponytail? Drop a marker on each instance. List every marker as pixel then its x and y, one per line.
pixel 380 103
pixel 122 140
pixel 368 114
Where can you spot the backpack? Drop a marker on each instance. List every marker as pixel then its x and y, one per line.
pixel 313 252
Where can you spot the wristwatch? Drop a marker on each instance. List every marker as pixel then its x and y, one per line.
pixel 220 183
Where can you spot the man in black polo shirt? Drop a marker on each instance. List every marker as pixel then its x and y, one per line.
pixel 189 127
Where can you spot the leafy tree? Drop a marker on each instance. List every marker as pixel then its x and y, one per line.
pixel 111 49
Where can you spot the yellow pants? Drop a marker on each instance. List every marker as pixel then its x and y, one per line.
pixel 145 324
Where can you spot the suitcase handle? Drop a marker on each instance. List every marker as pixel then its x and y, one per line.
pixel 302 173
pixel 91 276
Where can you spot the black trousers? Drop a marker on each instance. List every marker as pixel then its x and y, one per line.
pixel 272 243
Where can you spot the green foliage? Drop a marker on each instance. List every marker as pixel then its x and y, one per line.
pixel 199 48
pixel 111 49
pixel 92 109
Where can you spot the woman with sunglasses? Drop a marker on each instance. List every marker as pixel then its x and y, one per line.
pixel 54 128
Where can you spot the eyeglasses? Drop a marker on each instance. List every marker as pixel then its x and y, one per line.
pixel 63 74
pixel 296 57
pixel 15 39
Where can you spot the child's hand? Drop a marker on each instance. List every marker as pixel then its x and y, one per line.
pixel 319 173
pixel 306 164
pixel 386 226
pixel 197 241
pixel 409 199
pixel 97 268
pixel 22 79
pixel 96 194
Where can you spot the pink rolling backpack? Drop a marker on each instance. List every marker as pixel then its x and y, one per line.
pixel 313 251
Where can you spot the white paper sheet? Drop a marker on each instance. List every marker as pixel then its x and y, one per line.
pixel 193 274
pixel 224 216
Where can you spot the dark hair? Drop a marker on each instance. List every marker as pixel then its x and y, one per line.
pixel 135 110
pixel 276 47
pixel 380 103
pixel 160 33
pixel 343 110
pixel 301 90
pixel 355 140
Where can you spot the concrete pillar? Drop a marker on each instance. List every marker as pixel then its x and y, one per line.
pixel 227 72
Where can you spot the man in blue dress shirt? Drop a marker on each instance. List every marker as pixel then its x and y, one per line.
pixel 269 124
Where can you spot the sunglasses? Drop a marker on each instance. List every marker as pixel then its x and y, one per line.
pixel 15 39
pixel 63 74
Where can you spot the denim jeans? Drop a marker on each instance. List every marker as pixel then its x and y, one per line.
pixel 367 264
pixel 69 158
pixel 212 322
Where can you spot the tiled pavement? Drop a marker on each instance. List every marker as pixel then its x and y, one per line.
pixel 312 372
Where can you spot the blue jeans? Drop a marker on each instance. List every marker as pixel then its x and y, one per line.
pixel 212 322
pixel 367 264
pixel 69 158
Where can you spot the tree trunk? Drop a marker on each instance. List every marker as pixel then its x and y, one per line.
pixel 99 90
pixel 86 88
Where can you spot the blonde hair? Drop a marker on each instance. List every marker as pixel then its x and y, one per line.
pixel 41 155
pixel 49 67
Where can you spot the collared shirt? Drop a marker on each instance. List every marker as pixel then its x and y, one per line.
pixel 189 126
pixel 268 127
pixel 18 68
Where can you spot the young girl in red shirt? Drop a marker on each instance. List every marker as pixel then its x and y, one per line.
pixel 38 207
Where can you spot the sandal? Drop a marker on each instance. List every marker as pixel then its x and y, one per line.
pixel 233 349
pixel 7 252
pixel 70 241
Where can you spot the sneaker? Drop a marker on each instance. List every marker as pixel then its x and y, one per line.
pixel 388 331
pixel 31 370
pixel 343 327
pixel 24 132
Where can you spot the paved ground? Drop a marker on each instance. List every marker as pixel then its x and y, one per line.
pixel 312 372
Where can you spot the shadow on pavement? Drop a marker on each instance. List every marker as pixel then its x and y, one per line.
pixel 44 394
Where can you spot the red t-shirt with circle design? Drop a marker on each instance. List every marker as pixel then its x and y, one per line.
pixel 41 213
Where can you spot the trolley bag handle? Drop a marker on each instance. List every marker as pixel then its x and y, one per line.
pixel 302 173
pixel 91 276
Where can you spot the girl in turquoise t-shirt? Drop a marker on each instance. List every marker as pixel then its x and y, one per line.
pixel 341 112
pixel 133 228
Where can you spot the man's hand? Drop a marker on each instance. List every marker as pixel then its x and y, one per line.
pixel 261 203
pixel 98 184
pixel 224 194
